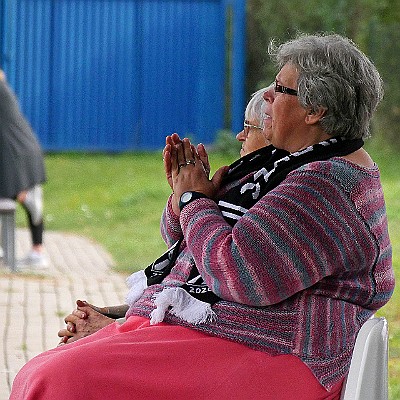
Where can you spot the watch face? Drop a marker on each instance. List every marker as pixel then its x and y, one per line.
pixel 186 197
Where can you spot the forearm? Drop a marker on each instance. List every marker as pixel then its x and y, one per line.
pixel 113 312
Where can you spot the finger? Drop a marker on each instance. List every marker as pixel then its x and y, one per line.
pixel 165 149
pixel 175 138
pixel 168 168
pixel 63 341
pixel 203 155
pixel 174 161
pixel 71 327
pixel 82 303
pixel 193 150
pixel 64 333
pixel 69 317
pixel 201 150
pixel 72 319
pixel 79 313
pixel 187 149
pixel 169 142
pixel 180 155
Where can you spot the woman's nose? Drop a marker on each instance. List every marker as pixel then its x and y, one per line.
pixel 269 94
pixel 241 136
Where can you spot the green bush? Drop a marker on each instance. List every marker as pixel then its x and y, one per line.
pixel 226 144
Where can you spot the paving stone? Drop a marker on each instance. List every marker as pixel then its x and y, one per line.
pixel 33 304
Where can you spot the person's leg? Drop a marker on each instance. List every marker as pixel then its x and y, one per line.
pixel 138 361
pixel 32 202
pixel 36 231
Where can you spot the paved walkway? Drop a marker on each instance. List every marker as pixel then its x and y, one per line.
pixel 33 304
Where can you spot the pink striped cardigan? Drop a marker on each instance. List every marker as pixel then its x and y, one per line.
pixel 299 273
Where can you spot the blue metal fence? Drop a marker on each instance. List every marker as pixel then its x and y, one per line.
pixel 114 75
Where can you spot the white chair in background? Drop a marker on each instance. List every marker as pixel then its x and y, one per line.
pixel 368 374
pixel 7 232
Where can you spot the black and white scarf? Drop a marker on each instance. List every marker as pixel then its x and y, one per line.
pixel 246 182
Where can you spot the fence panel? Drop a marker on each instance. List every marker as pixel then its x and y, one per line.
pixel 115 75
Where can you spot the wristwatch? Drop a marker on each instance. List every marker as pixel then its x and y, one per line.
pixel 188 197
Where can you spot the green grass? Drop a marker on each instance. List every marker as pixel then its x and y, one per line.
pixel 389 165
pixel 117 200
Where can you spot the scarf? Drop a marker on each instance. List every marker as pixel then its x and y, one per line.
pixel 246 182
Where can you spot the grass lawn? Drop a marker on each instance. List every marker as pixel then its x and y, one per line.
pixel 389 166
pixel 117 200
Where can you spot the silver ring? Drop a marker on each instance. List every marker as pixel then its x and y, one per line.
pixel 188 162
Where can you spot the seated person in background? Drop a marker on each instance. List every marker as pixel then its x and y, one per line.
pixel 88 318
pixel 252 135
pixel 22 170
pixel 268 261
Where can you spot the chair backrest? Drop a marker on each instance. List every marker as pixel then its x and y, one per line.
pixel 368 374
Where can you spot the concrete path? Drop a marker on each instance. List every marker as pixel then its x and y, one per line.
pixel 34 303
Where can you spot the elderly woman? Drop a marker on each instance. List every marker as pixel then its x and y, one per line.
pixel 273 266
pixel 252 135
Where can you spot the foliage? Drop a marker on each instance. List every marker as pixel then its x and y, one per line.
pixel 373 25
pixel 226 144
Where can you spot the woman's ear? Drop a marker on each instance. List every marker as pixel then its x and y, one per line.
pixel 313 116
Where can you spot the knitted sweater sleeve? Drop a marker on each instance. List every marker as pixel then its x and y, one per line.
pixel 306 229
pixel 170 226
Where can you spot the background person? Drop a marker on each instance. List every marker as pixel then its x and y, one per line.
pixel 22 170
pixel 252 135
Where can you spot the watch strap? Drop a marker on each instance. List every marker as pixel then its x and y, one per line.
pixel 188 197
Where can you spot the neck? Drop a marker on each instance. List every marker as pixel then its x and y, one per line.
pixel 307 140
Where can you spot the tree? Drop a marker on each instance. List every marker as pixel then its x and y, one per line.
pixel 374 26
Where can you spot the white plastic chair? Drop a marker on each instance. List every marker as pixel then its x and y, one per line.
pixel 7 232
pixel 368 374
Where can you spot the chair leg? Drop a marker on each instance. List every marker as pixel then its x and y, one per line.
pixel 8 239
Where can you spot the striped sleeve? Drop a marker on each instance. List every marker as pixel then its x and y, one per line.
pixel 170 226
pixel 301 232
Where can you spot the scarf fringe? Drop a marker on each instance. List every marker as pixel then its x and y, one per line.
pixel 137 283
pixel 183 305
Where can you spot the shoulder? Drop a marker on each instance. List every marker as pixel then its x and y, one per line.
pixel 340 166
pixel 340 172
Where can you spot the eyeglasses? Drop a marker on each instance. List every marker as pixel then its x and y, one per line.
pixel 283 89
pixel 247 127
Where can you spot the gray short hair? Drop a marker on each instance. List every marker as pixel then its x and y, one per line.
pixel 255 108
pixel 336 75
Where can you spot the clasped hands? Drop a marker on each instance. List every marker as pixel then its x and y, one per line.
pixel 83 321
pixel 187 169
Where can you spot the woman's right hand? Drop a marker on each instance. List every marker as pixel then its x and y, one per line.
pixel 82 322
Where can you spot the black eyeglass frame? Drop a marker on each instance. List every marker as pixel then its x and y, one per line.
pixel 283 89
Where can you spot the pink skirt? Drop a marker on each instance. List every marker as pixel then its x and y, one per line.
pixel 139 361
